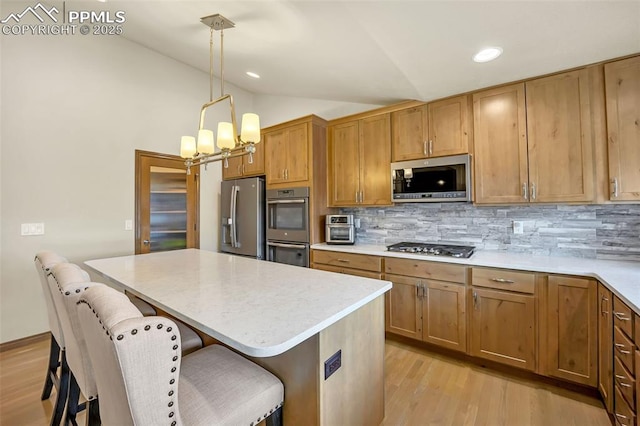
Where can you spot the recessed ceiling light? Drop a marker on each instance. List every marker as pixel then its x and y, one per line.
pixel 252 74
pixel 488 54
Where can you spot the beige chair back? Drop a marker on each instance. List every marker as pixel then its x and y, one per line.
pixel 67 283
pixel 136 359
pixel 44 261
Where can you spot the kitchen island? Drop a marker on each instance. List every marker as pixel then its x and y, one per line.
pixel 288 319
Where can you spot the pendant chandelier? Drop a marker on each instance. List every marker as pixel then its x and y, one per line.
pixel 230 143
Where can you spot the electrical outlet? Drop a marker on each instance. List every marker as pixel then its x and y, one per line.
pixel 356 222
pixel 332 364
pixel 518 227
pixel 128 225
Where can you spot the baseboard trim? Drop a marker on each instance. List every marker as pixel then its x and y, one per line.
pixel 18 343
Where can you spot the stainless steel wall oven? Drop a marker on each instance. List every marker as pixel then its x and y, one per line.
pixel 288 226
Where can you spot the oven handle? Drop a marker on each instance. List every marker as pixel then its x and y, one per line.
pixel 288 201
pixel 283 245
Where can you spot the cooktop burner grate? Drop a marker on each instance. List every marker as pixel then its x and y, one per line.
pixel 433 249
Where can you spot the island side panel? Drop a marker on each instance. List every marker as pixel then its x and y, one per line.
pixel 354 394
pixel 297 368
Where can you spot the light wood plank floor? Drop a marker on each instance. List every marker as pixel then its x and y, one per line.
pixel 422 388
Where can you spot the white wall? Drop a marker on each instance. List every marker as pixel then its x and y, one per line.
pixel 73 110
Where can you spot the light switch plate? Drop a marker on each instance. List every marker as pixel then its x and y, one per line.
pixel 128 225
pixel 32 228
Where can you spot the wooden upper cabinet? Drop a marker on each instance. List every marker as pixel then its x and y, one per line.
pixel 448 126
pixel 287 155
pixel 375 160
pixel 561 167
pixel 622 81
pixel 410 134
pixel 344 164
pixel 500 145
pixel 239 167
pixel 359 159
pixel 275 155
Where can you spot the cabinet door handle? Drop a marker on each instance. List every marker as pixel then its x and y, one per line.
pixel 525 191
pixel 533 191
pixel 623 384
pixel 614 181
pixel 238 169
pixel 361 196
pixel 475 299
pixel 502 280
pixel 430 147
pixel 243 168
pixel 357 195
pixel 424 148
pixel 602 311
pixel 619 347
pixel 621 316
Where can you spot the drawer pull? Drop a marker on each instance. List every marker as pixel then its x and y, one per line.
pixel 502 280
pixel 343 260
pixel 621 316
pixel 619 347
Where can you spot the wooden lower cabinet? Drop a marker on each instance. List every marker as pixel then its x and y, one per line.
pixel 444 318
pixel 605 349
pixel 427 302
pixel 503 327
pixel 570 338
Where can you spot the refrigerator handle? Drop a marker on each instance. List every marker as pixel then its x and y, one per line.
pixel 232 215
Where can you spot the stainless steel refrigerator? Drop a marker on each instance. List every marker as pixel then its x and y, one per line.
pixel 243 217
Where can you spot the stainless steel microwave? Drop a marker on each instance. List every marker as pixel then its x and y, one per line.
pixel 436 180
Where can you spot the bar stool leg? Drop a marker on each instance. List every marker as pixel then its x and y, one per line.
pixel 52 368
pixel 93 413
pixel 275 419
pixel 72 400
pixel 63 393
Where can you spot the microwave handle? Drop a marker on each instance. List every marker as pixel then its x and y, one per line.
pixel 288 201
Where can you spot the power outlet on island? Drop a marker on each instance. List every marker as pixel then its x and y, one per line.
pixel 332 364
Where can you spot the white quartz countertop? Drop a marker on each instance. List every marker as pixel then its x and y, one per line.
pixel 259 308
pixel 622 277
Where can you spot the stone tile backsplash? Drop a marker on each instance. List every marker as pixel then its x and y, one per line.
pixel 590 231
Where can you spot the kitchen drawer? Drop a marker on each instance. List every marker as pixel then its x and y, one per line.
pixel 623 316
pixel 623 348
pixel 625 382
pixel 425 269
pixel 623 414
pixel 348 260
pixel 348 271
pixel 522 282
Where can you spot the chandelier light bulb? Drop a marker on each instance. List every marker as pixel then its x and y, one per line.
pixel 225 135
pixel 205 141
pixel 187 147
pixel 250 128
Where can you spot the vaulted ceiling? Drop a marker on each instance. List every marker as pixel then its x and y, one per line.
pixel 379 52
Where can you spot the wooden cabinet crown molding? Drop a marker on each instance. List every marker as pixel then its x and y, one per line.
pixel 378 111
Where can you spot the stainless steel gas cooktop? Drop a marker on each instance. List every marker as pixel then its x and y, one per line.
pixel 433 249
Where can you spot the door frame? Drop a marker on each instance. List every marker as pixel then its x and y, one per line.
pixel 195 171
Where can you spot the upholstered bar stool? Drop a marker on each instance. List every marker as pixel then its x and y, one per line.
pixel 143 379
pixel 189 339
pixel 67 283
pixel 44 261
